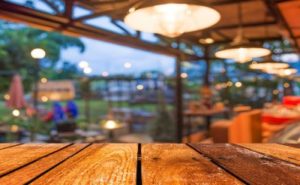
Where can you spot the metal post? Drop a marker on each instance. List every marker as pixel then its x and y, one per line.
pixel 207 70
pixel 179 107
pixel 86 84
pixel 207 81
pixel 35 98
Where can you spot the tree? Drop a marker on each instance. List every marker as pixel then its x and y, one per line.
pixel 16 43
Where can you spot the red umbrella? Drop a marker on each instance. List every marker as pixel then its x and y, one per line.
pixel 16 94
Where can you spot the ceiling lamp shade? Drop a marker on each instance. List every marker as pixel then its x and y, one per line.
pixel 171 18
pixel 268 65
pixel 282 72
pixel 242 50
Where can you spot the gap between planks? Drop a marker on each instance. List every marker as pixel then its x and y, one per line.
pixel 25 163
pixel 216 163
pixel 98 163
pixel 171 164
pixel 281 152
pixel 252 167
pixel 8 145
pixel 58 163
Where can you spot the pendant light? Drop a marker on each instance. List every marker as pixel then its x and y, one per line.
pixel 170 18
pixel 206 39
pixel 268 64
pixel 241 49
pixel 282 72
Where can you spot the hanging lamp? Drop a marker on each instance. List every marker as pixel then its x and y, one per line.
pixel 171 18
pixel 241 49
pixel 282 72
pixel 268 64
pixel 206 39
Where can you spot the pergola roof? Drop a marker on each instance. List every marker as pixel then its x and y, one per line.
pixel 263 20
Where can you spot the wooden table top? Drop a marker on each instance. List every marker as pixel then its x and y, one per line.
pixel 162 164
pixel 205 112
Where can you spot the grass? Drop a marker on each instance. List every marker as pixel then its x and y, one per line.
pixel 98 108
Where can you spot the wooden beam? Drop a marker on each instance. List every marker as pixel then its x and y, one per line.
pixel 93 15
pixel 272 6
pixel 52 6
pixel 114 22
pixel 107 10
pixel 69 8
pixel 262 39
pixel 48 22
pixel 244 25
pixel 227 2
pixel 234 26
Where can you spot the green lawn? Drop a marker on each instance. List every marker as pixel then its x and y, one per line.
pixel 98 108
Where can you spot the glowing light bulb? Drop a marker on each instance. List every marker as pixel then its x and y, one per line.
pixel 44 98
pixel 38 53
pixel 229 84
pixel 238 84
pixel 16 113
pixel 242 55
pixel 171 18
pixel 110 124
pixel 127 65
pixel 44 80
pixel 83 64
pixel 87 70
pixel 184 75
pixel 139 87
pixel 207 40
pixel 6 97
pixel 275 92
pixel 286 85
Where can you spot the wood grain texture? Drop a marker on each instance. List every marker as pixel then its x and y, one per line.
pixel 252 167
pixel 33 170
pixel 293 145
pixel 15 157
pixel 7 145
pixel 280 151
pixel 97 164
pixel 174 164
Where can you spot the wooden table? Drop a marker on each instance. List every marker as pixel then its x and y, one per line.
pixel 165 164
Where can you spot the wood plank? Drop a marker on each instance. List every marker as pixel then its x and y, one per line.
pixel 293 145
pixel 16 157
pixel 97 164
pixel 179 164
pixel 252 167
pixel 33 170
pixel 7 145
pixel 286 153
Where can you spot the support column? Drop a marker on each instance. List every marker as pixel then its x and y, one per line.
pixel 207 70
pixel 179 107
pixel 35 99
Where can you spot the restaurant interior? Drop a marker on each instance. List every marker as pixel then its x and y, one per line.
pixel 234 75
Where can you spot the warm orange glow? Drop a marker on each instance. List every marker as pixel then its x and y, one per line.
pixel 268 65
pixel 241 54
pixel 171 19
pixel 282 72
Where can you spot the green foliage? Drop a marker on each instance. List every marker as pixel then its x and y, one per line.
pixel 16 43
pixel 163 127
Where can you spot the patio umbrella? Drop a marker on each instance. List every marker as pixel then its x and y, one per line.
pixel 16 94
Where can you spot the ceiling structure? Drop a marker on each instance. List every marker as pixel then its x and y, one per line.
pixel 263 20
